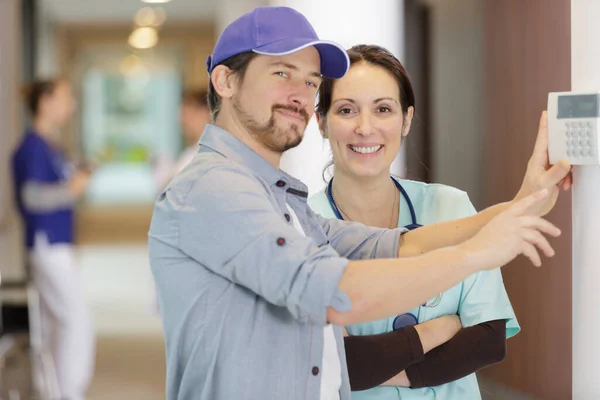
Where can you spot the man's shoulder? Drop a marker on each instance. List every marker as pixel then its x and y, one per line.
pixel 210 183
pixel 212 169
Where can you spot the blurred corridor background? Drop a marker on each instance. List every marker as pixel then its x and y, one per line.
pixel 481 70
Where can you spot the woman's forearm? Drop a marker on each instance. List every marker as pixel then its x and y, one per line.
pixel 41 197
pixel 470 350
pixel 373 359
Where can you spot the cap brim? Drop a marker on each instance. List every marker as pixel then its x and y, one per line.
pixel 334 59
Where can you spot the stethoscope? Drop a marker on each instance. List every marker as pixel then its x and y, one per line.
pixel 404 319
pixel 413 215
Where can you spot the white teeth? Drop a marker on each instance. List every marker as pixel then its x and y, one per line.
pixel 365 150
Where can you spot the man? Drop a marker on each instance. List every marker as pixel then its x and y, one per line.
pixel 193 117
pixel 250 280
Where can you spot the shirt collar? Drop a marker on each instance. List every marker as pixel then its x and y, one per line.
pixel 221 141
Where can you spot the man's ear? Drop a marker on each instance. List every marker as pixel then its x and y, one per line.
pixel 223 80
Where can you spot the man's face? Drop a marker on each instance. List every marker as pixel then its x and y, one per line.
pixel 276 98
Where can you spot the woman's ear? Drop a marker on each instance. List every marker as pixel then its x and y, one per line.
pixel 408 121
pixel 322 125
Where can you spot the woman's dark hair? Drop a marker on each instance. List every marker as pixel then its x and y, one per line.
pixel 197 97
pixel 238 64
pixel 379 57
pixel 36 90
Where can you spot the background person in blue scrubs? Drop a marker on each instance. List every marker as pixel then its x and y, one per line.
pixel 46 189
pixel 365 115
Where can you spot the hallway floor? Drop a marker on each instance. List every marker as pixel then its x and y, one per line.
pixel 130 361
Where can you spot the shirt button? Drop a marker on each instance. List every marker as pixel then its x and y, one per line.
pixel 315 371
pixel 287 217
pixel 281 241
pixel 280 183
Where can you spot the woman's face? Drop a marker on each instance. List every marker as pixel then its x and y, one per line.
pixel 60 104
pixel 365 123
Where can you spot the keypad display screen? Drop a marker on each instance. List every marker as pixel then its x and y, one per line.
pixel 578 106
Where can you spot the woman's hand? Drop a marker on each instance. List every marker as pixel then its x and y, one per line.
pixel 540 175
pixel 79 183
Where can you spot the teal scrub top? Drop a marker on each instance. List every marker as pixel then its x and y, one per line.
pixel 478 299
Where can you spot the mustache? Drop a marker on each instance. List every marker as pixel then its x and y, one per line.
pixel 291 108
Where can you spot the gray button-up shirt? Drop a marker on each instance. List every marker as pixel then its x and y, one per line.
pixel 242 293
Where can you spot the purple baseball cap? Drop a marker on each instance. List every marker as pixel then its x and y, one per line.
pixel 277 31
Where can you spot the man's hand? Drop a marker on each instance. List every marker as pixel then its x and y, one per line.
pixel 511 233
pixel 540 175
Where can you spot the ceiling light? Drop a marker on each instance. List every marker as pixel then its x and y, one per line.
pixel 143 38
pixel 155 1
pixel 145 17
pixel 160 16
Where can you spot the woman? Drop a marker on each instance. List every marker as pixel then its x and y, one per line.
pixel 422 354
pixel 46 189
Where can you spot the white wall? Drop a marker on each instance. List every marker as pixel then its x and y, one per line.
pixel 585 76
pixel 10 113
pixel 457 95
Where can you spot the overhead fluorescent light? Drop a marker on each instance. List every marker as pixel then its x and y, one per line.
pixel 155 1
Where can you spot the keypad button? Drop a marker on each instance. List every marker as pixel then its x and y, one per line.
pixel 567 124
pixel 589 133
pixel 589 124
pixel 569 153
pixel 591 152
pixel 590 142
pixel 574 142
pixel 582 142
pixel 582 152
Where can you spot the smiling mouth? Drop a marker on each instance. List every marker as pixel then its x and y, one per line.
pixel 292 114
pixel 365 150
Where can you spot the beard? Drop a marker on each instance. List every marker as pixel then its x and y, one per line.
pixel 277 137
